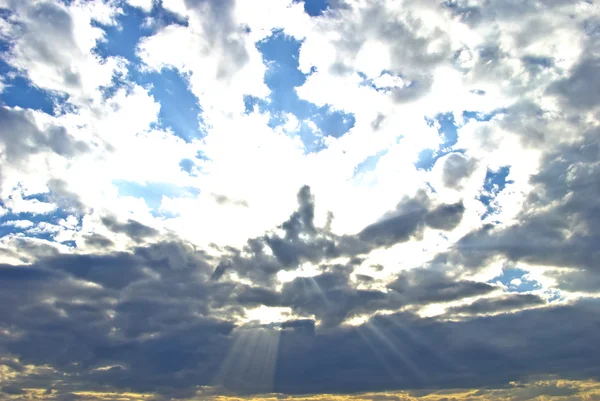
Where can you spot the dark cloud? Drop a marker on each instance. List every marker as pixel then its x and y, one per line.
pixel 404 351
pixel 63 197
pixel 20 137
pixel 456 168
pixel 407 221
pixel 12 390
pixel 97 241
pixel 499 304
pixel 411 217
pixel 364 278
pixel 424 286
pixel 133 229
pixel 164 326
pixel 300 325
pixel 580 89
pixel 558 225
pixel 153 311
pixel 445 217
pixel 303 241
pixel 328 296
pixel 332 297
pixel 256 296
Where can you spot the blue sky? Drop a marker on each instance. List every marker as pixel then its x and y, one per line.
pixel 344 199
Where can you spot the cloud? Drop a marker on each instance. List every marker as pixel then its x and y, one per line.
pixel 456 168
pixel 428 286
pixel 574 89
pixel 505 303
pixel 145 5
pixel 51 45
pixel 207 199
pixel 79 313
pixel 31 139
pixel 556 225
pixel 303 242
pixel 410 218
pixel 133 229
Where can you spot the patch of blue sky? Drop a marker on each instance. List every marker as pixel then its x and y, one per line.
pixel 179 108
pixel 7 226
pixel 448 130
pixel 180 111
pixel 369 164
pixel 153 192
pixel 313 140
pixel 495 182
pixel 19 92
pixel 371 83
pixel 516 280
pixel 283 76
pixel 192 166
pixel 479 116
pixel 314 8
pixel 187 165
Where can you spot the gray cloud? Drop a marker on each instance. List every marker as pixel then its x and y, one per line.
pixel 499 304
pixel 20 137
pixel 133 229
pixel 445 217
pixel 63 197
pixel 580 89
pixel 409 220
pixel 456 168
pixel 164 326
pixel 97 241
pixel 404 351
pixel 305 242
pixel 558 223
pixel 224 200
pixel 222 30
pixel 423 286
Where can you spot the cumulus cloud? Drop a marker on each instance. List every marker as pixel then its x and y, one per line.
pixel 205 199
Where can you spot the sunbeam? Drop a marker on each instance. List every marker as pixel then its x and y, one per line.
pixel 391 371
pixel 319 291
pixel 391 345
pixel 440 354
pixel 251 362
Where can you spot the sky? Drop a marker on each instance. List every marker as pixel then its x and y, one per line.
pixel 306 200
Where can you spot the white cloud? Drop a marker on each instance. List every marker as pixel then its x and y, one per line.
pixel 145 5
pixel 176 6
pixel 70 67
pixel 223 64
pixel 16 204
pixel 18 223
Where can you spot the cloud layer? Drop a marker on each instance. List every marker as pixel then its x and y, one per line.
pixel 205 199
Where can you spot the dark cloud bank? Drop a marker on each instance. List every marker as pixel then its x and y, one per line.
pixel 162 318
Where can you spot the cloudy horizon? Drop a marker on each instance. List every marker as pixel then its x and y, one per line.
pixel 299 199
